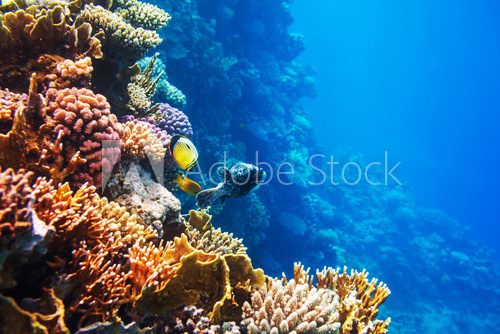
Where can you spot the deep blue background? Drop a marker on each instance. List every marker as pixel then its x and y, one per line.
pixel 420 80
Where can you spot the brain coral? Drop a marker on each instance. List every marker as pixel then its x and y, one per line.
pixel 85 121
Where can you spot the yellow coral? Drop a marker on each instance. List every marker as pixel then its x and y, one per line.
pixel 360 299
pixel 139 141
pixel 215 241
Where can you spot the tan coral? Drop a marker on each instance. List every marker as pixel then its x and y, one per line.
pixel 9 103
pixel 291 307
pixel 29 32
pixel 119 32
pixel 140 142
pixel 360 299
pixel 215 241
pixel 216 283
pixel 141 14
pixel 142 88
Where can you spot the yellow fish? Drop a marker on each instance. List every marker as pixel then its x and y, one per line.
pixel 187 185
pixel 184 152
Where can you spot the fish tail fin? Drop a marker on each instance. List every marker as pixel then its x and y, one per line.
pixel 206 197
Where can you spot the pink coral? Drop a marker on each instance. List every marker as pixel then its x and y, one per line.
pixel 85 120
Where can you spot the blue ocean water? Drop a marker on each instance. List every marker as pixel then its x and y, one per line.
pixel 417 83
pixel 420 80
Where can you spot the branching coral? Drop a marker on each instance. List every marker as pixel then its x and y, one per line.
pixel 65 73
pixel 86 122
pixel 23 235
pixel 9 103
pixel 142 87
pixel 165 91
pixel 118 32
pixel 139 142
pixel 140 14
pixel 360 299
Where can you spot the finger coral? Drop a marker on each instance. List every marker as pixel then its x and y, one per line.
pixel 119 33
pixel 141 14
pixel 86 123
pixel 291 307
pixel 142 88
pixel 138 141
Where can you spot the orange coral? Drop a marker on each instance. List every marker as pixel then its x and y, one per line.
pixel 360 299
pixel 9 103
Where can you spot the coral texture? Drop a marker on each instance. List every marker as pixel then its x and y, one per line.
pixel 119 32
pixel 86 123
pixel 9 103
pixel 138 141
pixel 141 14
pixel 173 121
pixel 215 241
pixel 291 307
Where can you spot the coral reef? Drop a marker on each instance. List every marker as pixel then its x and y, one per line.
pixel 138 141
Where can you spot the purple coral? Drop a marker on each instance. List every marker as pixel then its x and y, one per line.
pixel 173 121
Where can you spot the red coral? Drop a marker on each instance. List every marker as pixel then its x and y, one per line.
pixel 86 122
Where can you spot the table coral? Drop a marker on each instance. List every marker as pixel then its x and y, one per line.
pixel 86 122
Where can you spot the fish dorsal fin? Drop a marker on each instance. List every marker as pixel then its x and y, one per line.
pixel 224 173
